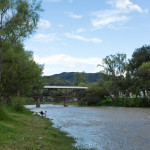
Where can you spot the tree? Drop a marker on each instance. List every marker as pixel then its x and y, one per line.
pixel 18 19
pixel 79 79
pixel 144 78
pixel 114 64
pixel 139 56
pixel 76 78
pixel 114 69
pixel 20 73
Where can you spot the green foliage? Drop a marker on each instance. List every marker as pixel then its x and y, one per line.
pixel 138 69
pixel 144 76
pixel 114 68
pixel 139 56
pixel 76 78
pixel 32 132
pixel 50 80
pixel 20 73
pixel 123 83
pixel 79 78
pixel 94 94
pixel 114 64
pixel 69 76
pixel 19 19
pixel 81 97
pixel 17 103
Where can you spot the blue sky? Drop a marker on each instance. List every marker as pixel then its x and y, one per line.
pixel 75 35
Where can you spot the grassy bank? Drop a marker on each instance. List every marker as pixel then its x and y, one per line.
pixel 121 102
pixel 24 131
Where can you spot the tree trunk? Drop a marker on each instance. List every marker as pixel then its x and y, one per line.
pixel 112 98
pixel 66 101
pixel 37 102
pixel 7 100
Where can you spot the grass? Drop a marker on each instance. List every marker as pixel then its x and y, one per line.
pixel 125 102
pixel 24 131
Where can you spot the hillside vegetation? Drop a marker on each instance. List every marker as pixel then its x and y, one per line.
pixel 67 78
pixel 50 80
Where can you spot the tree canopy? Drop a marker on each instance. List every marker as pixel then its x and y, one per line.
pixel 123 79
pixel 19 73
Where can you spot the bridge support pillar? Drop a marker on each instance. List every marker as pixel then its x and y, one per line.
pixel 37 102
pixel 66 101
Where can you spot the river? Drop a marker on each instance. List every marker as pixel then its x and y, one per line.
pixel 102 128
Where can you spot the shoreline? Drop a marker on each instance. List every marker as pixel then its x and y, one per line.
pixel 23 130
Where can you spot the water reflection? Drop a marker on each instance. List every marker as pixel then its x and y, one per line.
pixel 103 128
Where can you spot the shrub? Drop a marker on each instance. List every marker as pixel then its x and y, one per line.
pixel 17 103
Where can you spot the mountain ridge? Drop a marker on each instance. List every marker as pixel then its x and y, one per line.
pixel 69 76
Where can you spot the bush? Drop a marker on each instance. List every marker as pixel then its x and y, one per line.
pixel 17 103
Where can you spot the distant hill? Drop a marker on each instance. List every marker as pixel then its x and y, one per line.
pixel 50 80
pixel 69 76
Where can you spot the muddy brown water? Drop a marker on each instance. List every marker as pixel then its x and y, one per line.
pixel 102 128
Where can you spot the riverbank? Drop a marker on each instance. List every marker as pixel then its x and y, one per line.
pixel 25 131
pixel 118 102
pixel 102 128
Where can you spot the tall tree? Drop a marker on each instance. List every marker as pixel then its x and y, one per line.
pixel 114 69
pixel 139 56
pixel 79 79
pixel 144 78
pixel 18 19
pixel 20 74
pixel 114 64
pixel 76 78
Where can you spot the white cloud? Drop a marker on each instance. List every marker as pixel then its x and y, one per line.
pixel 125 5
pixel 45 37
pixel 73 36
pixel 66 60
pixel 28 48
pixel 120 14
pixel 105 18
pixel 44 24
pixel 61 63
pixel 80 30
pixel 72 15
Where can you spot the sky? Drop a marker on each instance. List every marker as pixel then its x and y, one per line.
pixel 75 35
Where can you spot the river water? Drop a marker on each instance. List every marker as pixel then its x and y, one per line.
pixel 102 128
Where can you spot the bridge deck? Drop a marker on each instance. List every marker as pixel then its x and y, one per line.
pixel 65 87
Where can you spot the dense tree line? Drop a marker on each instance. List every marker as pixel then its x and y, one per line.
pixel 123 82
pixel 18 71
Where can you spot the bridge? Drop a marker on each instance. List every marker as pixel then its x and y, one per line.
pixel 64 92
